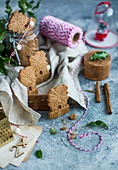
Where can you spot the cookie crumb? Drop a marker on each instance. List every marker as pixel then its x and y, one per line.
pixel 62 120
pixel 63 128
pixel 72 133
pixel 73 137
pixel 85 100
pixel 73 117
pixel 65 123
pixel 75 129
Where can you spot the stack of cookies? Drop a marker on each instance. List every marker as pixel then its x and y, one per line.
pixel 55 101
pixel 35 70
pixel 36 73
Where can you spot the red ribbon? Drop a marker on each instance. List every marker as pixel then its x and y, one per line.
pixel 101 3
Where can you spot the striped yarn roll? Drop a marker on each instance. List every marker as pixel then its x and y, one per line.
pixel 81 119
pixel 61 31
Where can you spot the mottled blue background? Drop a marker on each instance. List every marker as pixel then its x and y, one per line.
pixel 58 156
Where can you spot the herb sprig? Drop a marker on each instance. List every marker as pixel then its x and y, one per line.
pixel 8 9
pixel 99 55
pixel 97 123
pixel 28 7
pixel 52 130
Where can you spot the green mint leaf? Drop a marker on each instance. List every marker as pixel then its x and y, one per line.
pixel 2 26
pixel 25 6
pixel 2 68
pixel 7 2
pixel 8 9
pixel 99 55
pixel 30 4
pixel 2 35
pixel 1 47
pixel 97 123
pixel 38 154
pixel 5 60
pixel 31 14
pixel 22 4
pixel 52 130
pixel 37 5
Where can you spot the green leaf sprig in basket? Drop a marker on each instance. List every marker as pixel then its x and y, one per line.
pixel 99 55
pixel 27 7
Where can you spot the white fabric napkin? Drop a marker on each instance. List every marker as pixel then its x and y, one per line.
pixel 59 57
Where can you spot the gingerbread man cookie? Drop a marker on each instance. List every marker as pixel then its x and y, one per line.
pixel 38 62
pixel 57 101
pixel 19 22
pixel 27 78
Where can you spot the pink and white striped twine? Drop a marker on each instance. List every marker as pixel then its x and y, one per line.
pixel 18 128
pixel 81 119
pixel 60 31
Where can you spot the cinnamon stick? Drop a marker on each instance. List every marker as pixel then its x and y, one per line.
pixel 90 91
pixel 98 98
pixel 107 93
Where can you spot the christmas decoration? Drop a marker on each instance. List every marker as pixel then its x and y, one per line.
pixel 101 32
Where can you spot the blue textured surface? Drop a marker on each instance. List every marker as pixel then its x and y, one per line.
pixel 55 153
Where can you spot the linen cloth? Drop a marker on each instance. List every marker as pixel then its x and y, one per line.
pixel 62 59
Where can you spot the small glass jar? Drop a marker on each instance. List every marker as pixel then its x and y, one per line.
pixel 27 47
